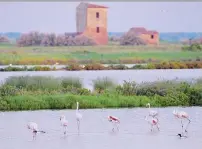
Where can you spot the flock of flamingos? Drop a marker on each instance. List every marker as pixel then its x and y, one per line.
pixel 152 120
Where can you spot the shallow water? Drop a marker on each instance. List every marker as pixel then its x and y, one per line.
pixel 117 75
pixel 96 130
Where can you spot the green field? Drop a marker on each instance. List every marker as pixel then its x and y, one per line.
pixel 104 54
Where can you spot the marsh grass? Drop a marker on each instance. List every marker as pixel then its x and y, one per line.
pixel 28 102
pixel 42 83
pixel 71 82
pixel 101 84
pixel 34 93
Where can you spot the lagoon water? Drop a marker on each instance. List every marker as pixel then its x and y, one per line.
pixel 116 75
pixel 96 130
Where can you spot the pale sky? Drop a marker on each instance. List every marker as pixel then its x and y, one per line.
pixel 60 17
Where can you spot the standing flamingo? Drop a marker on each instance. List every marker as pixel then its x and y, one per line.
pixel 78 115
pixel 153 121
pixel 182 115
pixel 64 123
pixel 152 113
pixel 34 127
pixel 115 121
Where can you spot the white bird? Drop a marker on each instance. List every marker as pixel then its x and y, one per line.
pixel 182 115
pixel 153 122
pixel 115 121
pixel 152 113
pixel 34 127
pixel 10 65
pixel 78 115
pixel 64 123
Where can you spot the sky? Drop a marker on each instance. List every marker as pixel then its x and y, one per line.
pixel 60 17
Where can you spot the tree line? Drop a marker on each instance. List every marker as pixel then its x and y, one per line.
pixel 51 39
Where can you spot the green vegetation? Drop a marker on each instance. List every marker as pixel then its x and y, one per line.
pixel 100 54
pixel 193 47
pixel 33 93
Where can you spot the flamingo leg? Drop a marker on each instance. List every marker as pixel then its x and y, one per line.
pixel 65 130
pixel 78 125
pixel 117 126
pixel 113 124
pixel 151 128
pixel 182 125
pixel 187 125
pixel 34 135
pixel 158 127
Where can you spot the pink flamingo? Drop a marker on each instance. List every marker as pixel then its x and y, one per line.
pixel 115 121
pixel 64 123
pixel 153 122
pixel 34 127
pixel 182 115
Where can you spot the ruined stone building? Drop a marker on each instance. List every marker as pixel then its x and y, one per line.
pixel 149 36
pixel 91 21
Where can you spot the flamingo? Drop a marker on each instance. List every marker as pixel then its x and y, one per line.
pixel 78 115
pixel 152 113
pixel 64 123
pixel 115 121
pixel 153 122
pixel 34 127
pixel 182 115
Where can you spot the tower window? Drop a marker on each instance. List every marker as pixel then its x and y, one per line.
pixel 152 36
pixel 97 15
pixel 97 29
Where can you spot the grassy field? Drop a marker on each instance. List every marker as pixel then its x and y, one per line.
pixel 104 54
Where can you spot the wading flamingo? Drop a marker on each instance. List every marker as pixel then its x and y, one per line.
pixel 64 123
pixel 34 127
pixel 152 113
pixel 182 115
pixel 153 121
pixel 78 115
pixel 115 122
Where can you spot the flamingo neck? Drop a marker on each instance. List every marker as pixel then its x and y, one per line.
pixel 77 107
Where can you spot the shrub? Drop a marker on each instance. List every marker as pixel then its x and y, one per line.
pixel 71 82
pixel 74 67
pixel 150 66
pixel 33 82
pixel 10 68
pixel 102 84
pixel 94 67
pixel 40 68
pixel 128 88
pixel 139 66
pixel 192 47
pixel 118 67
pixel 7 90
